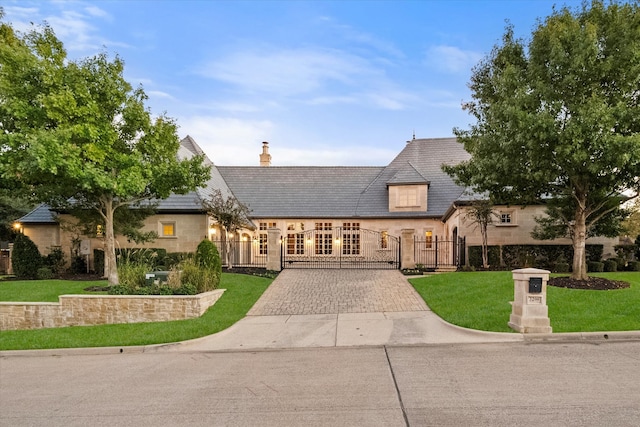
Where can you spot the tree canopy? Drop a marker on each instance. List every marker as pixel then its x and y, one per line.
pixel 558 121
pixel 76 130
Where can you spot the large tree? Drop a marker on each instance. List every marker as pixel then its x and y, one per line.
pixel 75 130
pixel 558 121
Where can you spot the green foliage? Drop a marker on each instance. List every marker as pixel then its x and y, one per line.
pixel 44 273
pixel 151 257
pixel 77 130
pixel 98 261
pixel 203 279
pixel 595 267
pixel 557 120
pixel 207 256
pixel 633 266
pixel 26 259
pixel 475 256
pixel 561 267
pixel 78 265
pixel 132 277
pixel 55 260
pixel 610 265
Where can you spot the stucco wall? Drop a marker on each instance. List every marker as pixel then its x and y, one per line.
pixel 82 310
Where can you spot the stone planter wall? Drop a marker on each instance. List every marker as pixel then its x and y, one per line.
pixel 81 310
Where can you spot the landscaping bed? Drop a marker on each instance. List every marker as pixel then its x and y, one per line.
pixel 591 283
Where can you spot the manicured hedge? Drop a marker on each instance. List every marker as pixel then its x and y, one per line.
pixel 549 257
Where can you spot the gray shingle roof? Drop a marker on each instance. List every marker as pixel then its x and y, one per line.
pixel 40 215
pixel 426 157
pixel 339 192
pixel 299 192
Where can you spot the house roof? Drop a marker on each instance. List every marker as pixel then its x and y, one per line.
pixel 299 191
pixel 40 215
pixel 346 192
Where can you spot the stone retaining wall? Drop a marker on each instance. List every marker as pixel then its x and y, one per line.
pixel 79 310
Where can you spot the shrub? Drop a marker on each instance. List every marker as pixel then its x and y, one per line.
pixel 152 257
pixel 207 256
pixel 173 259
pixel 561 267
pixel 611 265
pixel 633 266
pixel 55 260
pixel 26 259
pixel 132 275
pixel 78 265
pixel 595 266
pixel 44 273
pixel 98 261
pixel 475 256
pixel 203 279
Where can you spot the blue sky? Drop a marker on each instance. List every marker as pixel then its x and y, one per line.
pixel 325 82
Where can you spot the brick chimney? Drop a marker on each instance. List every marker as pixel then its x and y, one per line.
pixel 265 157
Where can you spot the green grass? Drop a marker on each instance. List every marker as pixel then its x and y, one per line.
pixel 481 300
pixel 44 290
pixel 242 291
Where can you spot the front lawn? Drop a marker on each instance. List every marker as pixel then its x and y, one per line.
pixel 481 300
pixel 242 291
pixel 44 290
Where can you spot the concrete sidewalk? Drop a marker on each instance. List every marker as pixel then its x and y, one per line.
pixel 340 308
pixel 340 330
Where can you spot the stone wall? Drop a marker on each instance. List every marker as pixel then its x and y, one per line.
pixel 82 310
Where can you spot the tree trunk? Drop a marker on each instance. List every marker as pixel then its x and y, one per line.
pixel 110 267
pixel 228 251
pixel 579 246
pixel 485 249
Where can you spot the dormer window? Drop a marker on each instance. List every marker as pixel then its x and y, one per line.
pixel 408 198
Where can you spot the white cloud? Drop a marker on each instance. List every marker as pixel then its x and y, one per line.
pixel 451 58
pixel 287 72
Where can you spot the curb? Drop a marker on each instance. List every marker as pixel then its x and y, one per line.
pixel 584 337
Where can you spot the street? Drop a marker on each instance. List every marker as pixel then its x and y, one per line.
pixel 561 383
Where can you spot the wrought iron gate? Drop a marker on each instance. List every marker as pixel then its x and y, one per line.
pixel 438 253
pixel 341 247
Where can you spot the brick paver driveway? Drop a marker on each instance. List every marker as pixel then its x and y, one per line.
pixel 337 291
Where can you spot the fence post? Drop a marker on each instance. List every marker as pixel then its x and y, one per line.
pixel 274 250
pixel 407 246
pixel 10 266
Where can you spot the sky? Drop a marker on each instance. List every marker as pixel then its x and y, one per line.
pixel 324 82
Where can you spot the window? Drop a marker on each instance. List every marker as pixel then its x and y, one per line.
pixel 428 239
pixel 351 238
pixel 262 238
pixel 507 218
pixel 384 239
pixel 295 241
pixel 323 242
pixel 407 197
pixel 168 229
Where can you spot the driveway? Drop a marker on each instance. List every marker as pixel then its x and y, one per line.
pixel 340 308
pixel 296 292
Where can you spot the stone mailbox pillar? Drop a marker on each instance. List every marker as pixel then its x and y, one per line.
pixel 407 249
pixel 529 311
pixel 274 250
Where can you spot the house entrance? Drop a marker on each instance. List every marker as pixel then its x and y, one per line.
pixel 341 247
